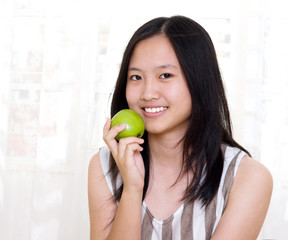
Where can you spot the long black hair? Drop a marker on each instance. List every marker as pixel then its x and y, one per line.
pixel 210 124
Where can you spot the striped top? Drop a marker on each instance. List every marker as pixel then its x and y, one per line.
pixel 190 221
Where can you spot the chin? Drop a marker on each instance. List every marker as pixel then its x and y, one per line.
pixel 154 130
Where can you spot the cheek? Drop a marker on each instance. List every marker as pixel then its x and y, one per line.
pixel 183 98
pixel 180 93
pixel 131 96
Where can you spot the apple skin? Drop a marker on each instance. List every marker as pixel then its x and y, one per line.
pixel 134 123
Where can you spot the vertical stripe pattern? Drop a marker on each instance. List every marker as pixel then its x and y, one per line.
pixel 210 217
pixel 187 222
pixel 147 227
pixel 229 177
pixel 167 229
pixel 190 221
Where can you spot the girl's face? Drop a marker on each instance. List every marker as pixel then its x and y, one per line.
pixel 156 87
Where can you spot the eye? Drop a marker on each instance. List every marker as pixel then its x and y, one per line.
pixel 135 77
pixel 165 75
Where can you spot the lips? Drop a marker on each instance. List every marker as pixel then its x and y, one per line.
pixel 154 109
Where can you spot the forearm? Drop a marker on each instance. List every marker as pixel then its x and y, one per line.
pixel 127 222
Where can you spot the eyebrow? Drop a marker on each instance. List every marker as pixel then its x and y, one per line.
pixel 134 69
pixel 166 66
pixel 159 67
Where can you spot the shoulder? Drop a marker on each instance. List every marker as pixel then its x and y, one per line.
pixel 95 174
pixel 253 174
pixel 252 190
pixel 232 155
pixel 94 161
pixel 99 163
pixel 97 182
pixel 93 168
pixel 246 170
pixel 253 181
pixel 99 167
pixel 248 202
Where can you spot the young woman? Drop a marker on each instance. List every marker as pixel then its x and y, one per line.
pixel 187 178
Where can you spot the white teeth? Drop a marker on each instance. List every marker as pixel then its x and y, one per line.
pixel 154 110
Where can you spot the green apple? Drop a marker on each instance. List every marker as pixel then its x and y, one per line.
pixel 134 123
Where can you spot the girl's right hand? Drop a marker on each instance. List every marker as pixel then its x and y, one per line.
pixel 127 156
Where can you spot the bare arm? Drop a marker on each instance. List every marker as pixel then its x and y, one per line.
pixel 102 205
pixel 247 204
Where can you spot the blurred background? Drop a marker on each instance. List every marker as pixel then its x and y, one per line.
pixel 58 64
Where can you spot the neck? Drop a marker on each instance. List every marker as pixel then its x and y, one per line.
pixel 166 151
pixel 166 163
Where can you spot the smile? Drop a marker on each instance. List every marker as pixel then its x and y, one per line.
pixel 155 110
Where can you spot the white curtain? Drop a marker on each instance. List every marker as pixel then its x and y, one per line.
pixel 58 64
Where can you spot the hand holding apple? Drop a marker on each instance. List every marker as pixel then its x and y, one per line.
pixel 134 123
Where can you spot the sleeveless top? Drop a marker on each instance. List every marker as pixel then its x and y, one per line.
pixel 190 221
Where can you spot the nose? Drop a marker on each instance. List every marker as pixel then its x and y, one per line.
pixel 150 90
